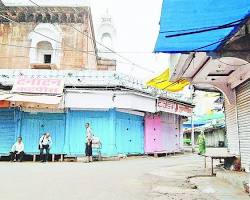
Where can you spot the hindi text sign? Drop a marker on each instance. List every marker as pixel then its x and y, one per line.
pixel 175 108
pixel 38 85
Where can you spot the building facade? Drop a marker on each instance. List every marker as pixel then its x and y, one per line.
pixel 52 80
pixel 127 118
pixel 226 71
pixel 48 38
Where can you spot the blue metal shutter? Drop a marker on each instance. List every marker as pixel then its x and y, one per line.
pixel 100 122
pixel 129 133
pixel 33 125
pixel 7 129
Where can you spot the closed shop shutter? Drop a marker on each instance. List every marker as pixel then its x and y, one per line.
pixel 34 125
pixel 154 141
pixel 129 133
pixel 101 128
pixel 171 130
pixel 232 128
pixel 243 110
pixel 7 130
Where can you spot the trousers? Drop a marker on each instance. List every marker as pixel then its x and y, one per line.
pixel 15 155
pixel 44 157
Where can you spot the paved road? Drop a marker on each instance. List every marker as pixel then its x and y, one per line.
pixel 128 179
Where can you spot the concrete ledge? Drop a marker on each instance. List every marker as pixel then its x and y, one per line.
pixel 84 159
pixel 234 178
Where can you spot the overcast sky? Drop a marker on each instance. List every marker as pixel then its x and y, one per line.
pixel 137 26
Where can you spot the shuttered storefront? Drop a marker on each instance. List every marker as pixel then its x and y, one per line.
pixel 243 111
pixel 232 128
pixel 34 125
pixel 8 124
pixel 129 133
pixel 162 133
pixel 170 126
pixel 100 124
pixel 154 137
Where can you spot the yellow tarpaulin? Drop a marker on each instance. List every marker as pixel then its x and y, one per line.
pixel 162 82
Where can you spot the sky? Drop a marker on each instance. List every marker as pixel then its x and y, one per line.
pixel 204 102
pixel 137 25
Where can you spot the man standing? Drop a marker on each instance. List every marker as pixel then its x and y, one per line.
pixel 45 143
pixel 89 138
pixel 17 151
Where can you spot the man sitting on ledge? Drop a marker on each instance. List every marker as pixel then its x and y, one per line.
pixel 17 151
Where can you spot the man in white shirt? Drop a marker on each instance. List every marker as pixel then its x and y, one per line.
pixel 89 138
pixel 17 151
pixel 45 143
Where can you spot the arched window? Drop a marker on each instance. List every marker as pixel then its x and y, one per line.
pixel 107 40
pixel 44 52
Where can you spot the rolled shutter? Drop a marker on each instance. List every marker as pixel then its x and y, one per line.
pixel 243 110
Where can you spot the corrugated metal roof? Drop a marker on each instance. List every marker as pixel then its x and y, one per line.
pixel 89 78
pixel 49 3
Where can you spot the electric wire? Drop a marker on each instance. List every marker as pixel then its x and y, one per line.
pixel 202 30
pixel 73 49
pixel 91 38
pixel 119 55
pixel 39 34
pixel 131 62
pixel 30 47
pixel 79 50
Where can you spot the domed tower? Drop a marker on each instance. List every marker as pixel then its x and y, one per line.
pixel 106 35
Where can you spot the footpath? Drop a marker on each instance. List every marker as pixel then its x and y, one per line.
pixel 187 179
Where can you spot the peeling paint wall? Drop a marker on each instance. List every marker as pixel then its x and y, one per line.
pixel 76 50
pixel 15 47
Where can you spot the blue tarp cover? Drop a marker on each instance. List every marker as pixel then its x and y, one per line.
pixel 206 24
pixel 196 124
